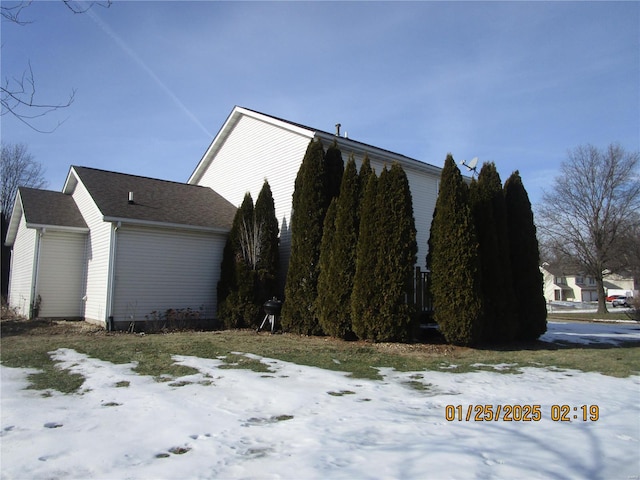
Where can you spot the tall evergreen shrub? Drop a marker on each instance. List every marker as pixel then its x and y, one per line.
pixel 525 261
pixel 365 296
pixel 455 261
pixel 338 257
pixel 267 266
pixel 490 215
pixel 334 169
pixel 396 250
pixel 310 203
pixel 236 288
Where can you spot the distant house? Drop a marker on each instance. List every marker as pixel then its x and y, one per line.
pixel 566 285
pixel 251 147
pixel 116 247
pixel 616 282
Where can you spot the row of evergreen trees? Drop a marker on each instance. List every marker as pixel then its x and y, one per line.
pixel 352 250
pixel 484 260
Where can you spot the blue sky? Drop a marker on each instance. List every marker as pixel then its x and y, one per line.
pixel 516 83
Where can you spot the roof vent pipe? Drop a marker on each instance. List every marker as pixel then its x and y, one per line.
pixel 338 129
pixel 130 198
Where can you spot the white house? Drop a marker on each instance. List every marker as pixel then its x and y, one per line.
pixel 251 147
pixel 114 248
pixel 567 285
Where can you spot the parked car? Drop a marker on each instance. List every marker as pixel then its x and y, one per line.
pixel 622 302
pixel 611 298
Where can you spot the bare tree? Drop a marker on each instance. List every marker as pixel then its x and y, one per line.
pixel 18 169
pixel 18 93
pixel 584 219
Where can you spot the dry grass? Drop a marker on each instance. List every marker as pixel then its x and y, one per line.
pixel 27 343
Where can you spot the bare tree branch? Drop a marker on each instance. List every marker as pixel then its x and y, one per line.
pixel 17 169
pixel 18 95
pixel 82 7
pixel 12 12
pixel 583 219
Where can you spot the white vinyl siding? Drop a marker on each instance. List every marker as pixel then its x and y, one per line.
pixel 158 269
pixel 256 151
pixel 97 256
pixel 22 268
pixel 61 274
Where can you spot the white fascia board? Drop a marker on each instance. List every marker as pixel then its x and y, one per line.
pixel 70 182
pixel 227 128
pixel 173 226
pixel 347 146
pixel 14 221
pixel 300 130
pixel 58 228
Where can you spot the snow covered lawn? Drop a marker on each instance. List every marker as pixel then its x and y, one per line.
pixel 302 422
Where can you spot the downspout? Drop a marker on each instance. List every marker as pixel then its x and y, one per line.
pixel 111 275
pixel 36 269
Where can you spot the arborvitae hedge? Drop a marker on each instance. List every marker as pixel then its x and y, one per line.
pixel 455 262
pixel 310 203
pixel 365 296
pixel 338 257
pixel 396 250
pixel 267 267
pixel 236 288
pixel 334 169
pixel 381 305
pixel 489 211
pixel 525 258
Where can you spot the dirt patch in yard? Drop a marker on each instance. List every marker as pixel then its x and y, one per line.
pixel 15 326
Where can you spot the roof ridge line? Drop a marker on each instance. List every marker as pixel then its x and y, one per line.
pixel 137 176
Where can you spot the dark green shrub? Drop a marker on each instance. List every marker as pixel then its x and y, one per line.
pixel 455 262
pixel 338 257
pixel 309 208
pixel 490 215
pixel 525 261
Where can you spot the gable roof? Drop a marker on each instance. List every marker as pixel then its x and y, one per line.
pixel 346 144
pixel 155 201
pixel 49 208
pixel 44 209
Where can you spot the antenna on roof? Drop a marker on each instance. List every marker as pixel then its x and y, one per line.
pixel 471 166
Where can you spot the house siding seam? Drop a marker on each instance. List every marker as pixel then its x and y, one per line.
pixel 160 269
pixel 22 266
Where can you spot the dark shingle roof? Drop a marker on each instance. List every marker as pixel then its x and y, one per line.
pixel 156 200
pixel 45 207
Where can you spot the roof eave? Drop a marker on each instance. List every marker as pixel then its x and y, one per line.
pixel 14 221
pixel 386 155
pixel 58 228
pixel 228 126
pixel 170 225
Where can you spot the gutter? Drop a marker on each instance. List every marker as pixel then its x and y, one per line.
pixel 111 274
pixel 175 226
